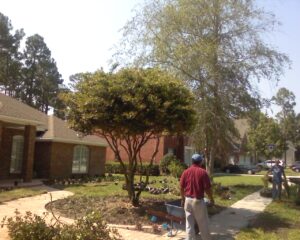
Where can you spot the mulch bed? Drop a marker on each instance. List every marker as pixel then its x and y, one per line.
pixel 114 210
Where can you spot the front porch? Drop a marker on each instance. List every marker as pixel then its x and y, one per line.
pixel 17 144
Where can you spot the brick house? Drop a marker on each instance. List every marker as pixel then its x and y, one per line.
pixel 177 145
pixel 33 144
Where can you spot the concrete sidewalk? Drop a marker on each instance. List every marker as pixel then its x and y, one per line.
pixel 223 225
pixel 35 204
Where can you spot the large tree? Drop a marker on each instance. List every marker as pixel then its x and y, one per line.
pixel 128 108
pixel 41 77
pixel 218 47
pixel 285 99
pixel 265 138
pixel 10 57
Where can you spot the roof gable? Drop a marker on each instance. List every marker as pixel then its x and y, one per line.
pixel 52 128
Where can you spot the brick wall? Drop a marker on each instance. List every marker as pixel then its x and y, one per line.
pixel 176 143
pixel 146 152
pixel 167 143
pixel 54 160
pixel 97 160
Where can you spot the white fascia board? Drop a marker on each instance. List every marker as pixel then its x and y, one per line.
pixel 62 140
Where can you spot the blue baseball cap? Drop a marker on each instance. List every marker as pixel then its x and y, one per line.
pixel 197 157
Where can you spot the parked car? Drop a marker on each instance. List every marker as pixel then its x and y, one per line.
pixel 268 164
pixel 231 168
pixel 296 168
pixel 296 163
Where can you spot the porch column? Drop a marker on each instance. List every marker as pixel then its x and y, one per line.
pixel 29 144
pixel 1 130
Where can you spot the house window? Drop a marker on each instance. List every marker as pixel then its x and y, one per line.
pixel 17 154
pixel 80 159
pixel 188 152
pixel 171 151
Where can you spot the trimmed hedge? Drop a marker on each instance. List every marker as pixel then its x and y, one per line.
pixel 115 167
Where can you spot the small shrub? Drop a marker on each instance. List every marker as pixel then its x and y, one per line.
pixel 165 163
pixel 176 168
pixel 29 227
pixel 91 227
pixel 34 227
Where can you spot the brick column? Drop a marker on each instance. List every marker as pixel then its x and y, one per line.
pixel 28 157
pixel 1 130
pixel 1 134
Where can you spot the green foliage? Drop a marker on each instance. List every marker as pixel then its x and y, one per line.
pixel 89 227
pixel 264 133
pixel 289 123
pixel 129 108
pixel 34 227
pixel 218 48
pixel 41 76
pixel 29 227
pixel 176 168
pixel 31 76
pixel 130 102
pixel 10 57
pixel 166 162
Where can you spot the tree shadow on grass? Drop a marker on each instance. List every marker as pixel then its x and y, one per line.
pixel 269 222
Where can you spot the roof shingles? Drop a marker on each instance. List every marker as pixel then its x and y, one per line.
pixel 54 128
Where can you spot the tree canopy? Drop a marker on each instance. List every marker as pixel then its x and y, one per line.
pixel 265 138
pixel 32 75
pixel 42 79
pixel 10 56
pixel 217 47
pixel 128 108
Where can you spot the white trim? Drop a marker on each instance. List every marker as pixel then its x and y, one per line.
pixel 20 121
pixel 62 140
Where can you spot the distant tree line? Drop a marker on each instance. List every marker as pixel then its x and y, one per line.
pixel 29 73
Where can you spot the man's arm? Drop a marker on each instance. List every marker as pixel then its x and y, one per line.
pixel 182 185
pixel 209 193
pixel 182 196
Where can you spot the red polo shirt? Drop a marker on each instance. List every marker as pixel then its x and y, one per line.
pixel 195 181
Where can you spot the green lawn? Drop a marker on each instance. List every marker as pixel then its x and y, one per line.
pixel 239 187
pixel 280 221
pixel 20 193
pixel 111 200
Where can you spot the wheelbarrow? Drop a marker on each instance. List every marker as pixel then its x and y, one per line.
pixel 175 216
pixel 174 209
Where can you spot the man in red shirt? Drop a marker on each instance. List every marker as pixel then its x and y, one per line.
pixel 194 182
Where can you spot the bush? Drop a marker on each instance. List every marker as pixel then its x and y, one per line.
pixel 176 168
pixel 29 227
pixel 90 227
pixel 165 163
pixel 34 227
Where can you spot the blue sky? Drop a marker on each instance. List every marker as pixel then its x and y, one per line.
pixel 81 34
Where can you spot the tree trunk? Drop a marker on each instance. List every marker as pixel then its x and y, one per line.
pixel 210 164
